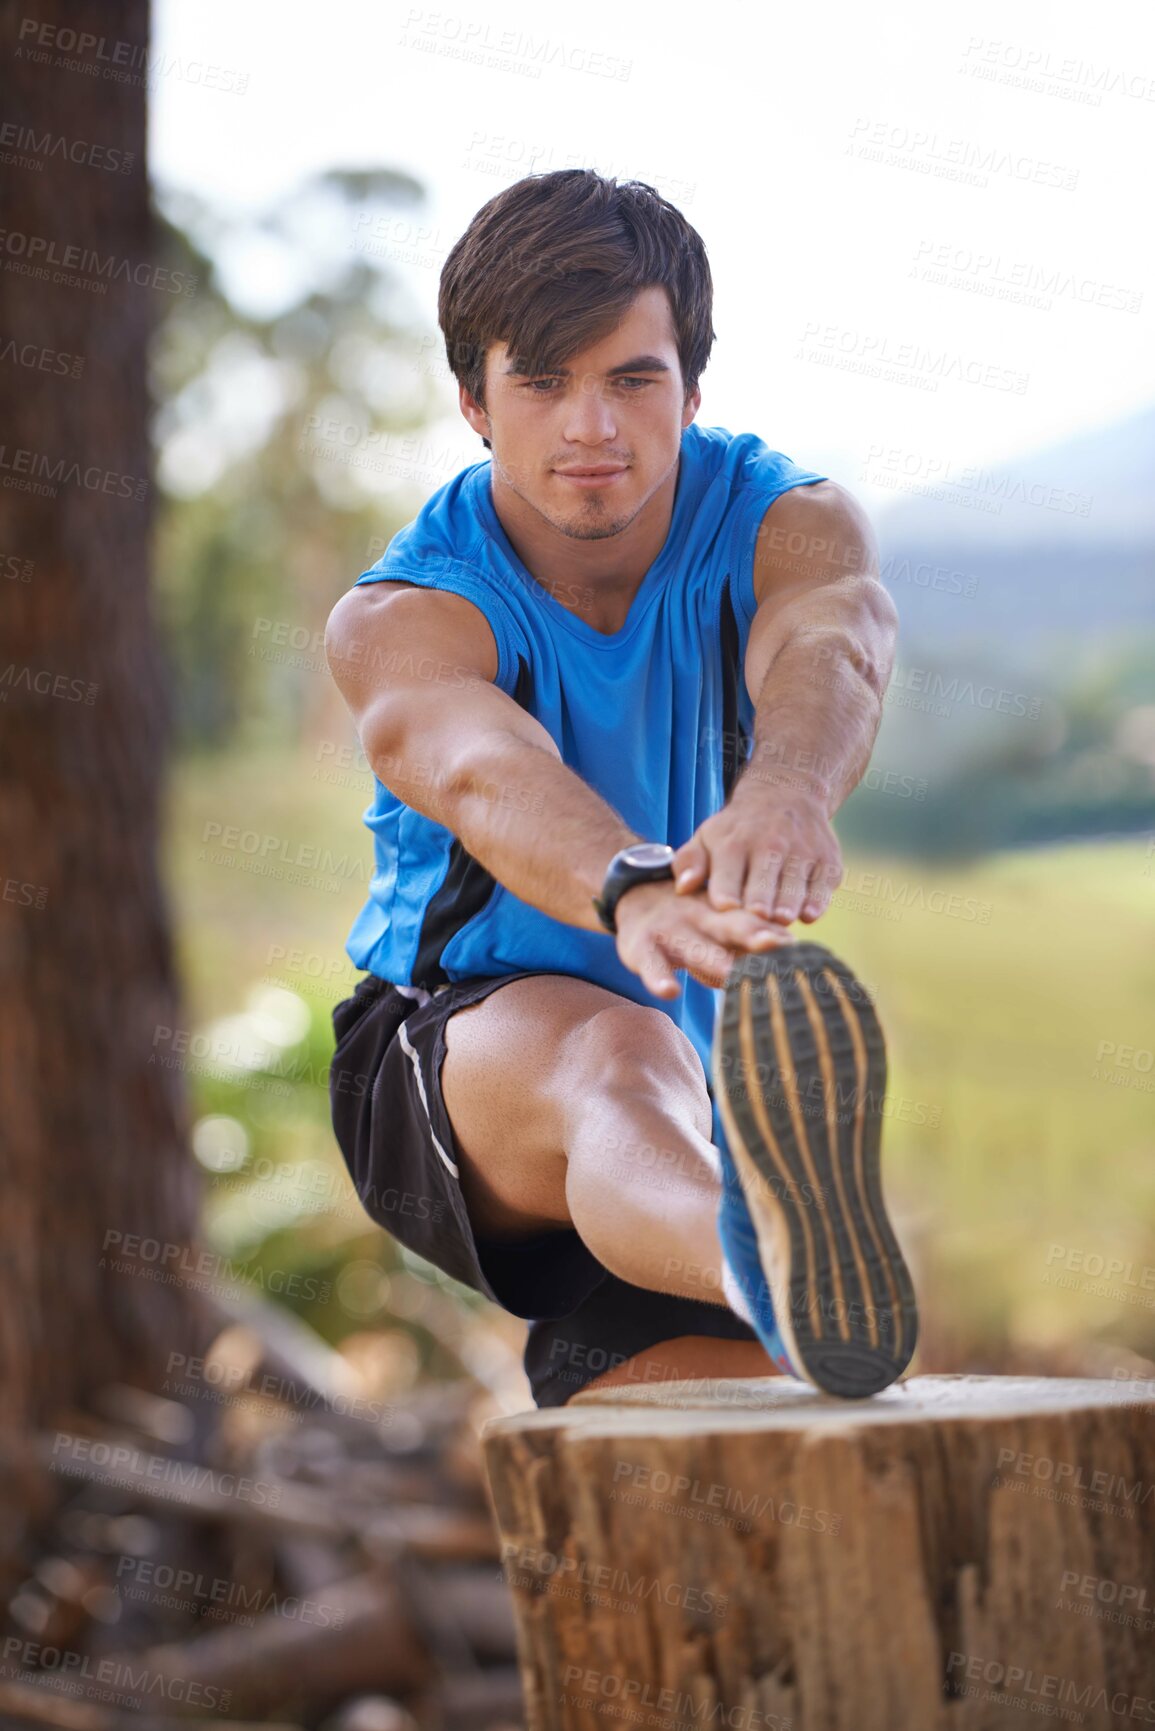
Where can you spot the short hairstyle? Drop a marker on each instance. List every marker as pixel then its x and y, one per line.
pixel 552 264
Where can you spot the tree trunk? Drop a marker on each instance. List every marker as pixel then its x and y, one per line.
pixel 955 1553
pixel 92 1125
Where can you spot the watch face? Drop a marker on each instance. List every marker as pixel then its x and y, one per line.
pixel 648 853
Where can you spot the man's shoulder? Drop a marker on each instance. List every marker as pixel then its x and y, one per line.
pixel 447 548
pixel 446 536
pixel 742 475
pixel 745 460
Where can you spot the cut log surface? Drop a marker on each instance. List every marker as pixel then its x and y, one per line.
pixel 958 1553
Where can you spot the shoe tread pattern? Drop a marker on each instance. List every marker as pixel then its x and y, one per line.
pixel 803 1066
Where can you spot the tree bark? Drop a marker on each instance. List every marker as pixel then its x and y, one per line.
pixel 92 1124
pixel 955 1553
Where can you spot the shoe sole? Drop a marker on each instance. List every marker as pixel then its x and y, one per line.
pixel 799 1068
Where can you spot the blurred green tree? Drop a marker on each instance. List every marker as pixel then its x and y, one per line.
pixel 291 443
pixel 1084 766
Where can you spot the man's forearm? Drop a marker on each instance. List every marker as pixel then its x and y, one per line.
pixel 533 823
pixel 818 660
pixel 816 718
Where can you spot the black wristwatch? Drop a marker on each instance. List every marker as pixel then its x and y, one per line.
pixel 643 862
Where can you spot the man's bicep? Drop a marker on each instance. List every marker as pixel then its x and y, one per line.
pixel 379 631
pixel 417 669
pixel 816 569
pixel 817 532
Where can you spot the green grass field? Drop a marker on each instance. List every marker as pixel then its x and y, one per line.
pixel 1016 994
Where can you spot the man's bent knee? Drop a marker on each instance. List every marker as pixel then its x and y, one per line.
pixel 624 1048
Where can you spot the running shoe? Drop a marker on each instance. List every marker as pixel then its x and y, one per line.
pixel 799 1075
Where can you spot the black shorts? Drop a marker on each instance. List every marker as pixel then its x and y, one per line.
pixel 394 1132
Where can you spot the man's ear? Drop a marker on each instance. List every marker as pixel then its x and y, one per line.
pixel 473 412
pixel 691 406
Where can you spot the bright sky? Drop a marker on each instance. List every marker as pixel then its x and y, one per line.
pixel 875 185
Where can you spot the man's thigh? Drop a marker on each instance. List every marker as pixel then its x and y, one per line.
pixel 510 1065
pixel 394 1131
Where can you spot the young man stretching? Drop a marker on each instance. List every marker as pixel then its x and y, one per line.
pixel 613 682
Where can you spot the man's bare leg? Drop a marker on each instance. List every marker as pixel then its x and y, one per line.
pixel 692 1358
pixel 573 1106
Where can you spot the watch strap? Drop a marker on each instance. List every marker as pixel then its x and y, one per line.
pixel 622 875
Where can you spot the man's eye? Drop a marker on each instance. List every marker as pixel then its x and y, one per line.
pixel 545 387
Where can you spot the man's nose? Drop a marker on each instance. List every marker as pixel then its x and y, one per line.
pixel 589 418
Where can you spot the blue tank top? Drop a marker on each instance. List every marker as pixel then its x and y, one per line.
pixel 655 717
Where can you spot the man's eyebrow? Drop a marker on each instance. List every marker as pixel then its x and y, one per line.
pixel 642 364
pixel 639 364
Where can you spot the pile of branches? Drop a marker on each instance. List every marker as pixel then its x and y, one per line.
pixel 287 1556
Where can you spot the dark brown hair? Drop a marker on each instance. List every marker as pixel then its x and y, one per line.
pixel 552 264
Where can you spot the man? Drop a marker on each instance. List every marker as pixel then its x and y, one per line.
pixel 613 683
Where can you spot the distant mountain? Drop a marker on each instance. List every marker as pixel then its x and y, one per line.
pixel 1015 558
pixel 1097 486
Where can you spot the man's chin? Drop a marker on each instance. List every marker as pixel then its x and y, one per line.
pixel 587 529
pixel 594 521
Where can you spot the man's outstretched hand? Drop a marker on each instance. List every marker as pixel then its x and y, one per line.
pixel 770 851
pixel 660 931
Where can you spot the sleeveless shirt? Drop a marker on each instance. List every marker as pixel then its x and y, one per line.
pixel 655 717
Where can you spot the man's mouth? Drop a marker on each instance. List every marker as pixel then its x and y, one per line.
pixel 594 474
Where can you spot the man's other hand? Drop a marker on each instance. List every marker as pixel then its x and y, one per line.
pixel 770 851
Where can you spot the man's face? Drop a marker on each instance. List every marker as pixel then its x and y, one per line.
pixel 617 407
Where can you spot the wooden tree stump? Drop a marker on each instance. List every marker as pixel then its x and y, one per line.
pixel 956 1553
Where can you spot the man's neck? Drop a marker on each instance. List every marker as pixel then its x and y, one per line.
pixel 601 576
